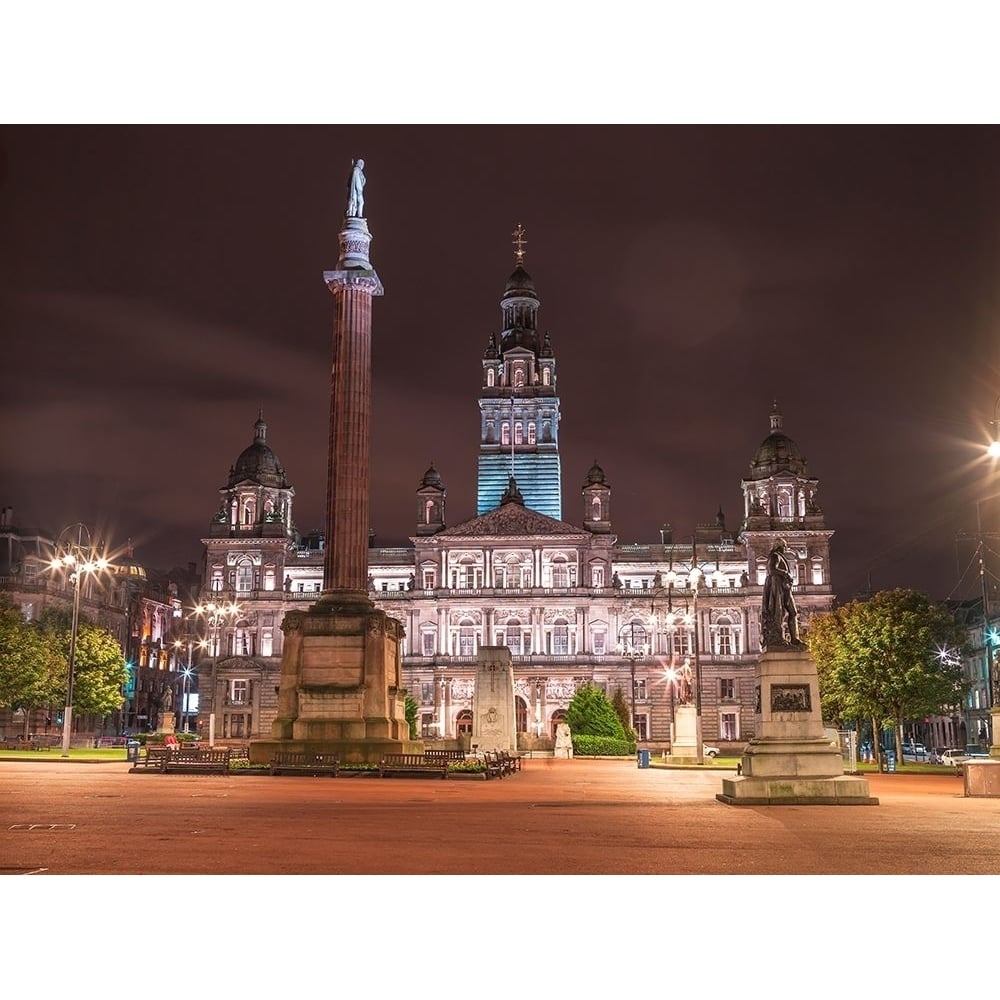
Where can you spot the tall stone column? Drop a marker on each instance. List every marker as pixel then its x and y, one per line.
pixel 341 666
pixel 353 284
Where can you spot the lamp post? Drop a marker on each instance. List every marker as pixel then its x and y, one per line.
pixel 186 676
pixel 216 616
pixel 633 645
pixel 75 551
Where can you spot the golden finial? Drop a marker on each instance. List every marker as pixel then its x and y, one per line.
pixel 519 244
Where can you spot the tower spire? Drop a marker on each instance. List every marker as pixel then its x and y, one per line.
pixel 519 244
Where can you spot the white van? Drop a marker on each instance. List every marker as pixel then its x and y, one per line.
pixel 953 757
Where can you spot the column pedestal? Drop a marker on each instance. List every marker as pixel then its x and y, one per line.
pixel 684 746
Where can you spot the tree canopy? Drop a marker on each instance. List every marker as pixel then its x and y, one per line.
pixel 34 663
pixel 591 714
pixel 888 660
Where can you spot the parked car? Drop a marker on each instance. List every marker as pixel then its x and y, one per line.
pixel 953 756
pixel 709 751
pixel 915 750
pixel 976 752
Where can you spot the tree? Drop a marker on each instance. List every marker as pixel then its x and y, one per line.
pixel 28 669
pixel 591 714
pixel 622 710
pixel 99 671
pixel 410 710
pixel 890 659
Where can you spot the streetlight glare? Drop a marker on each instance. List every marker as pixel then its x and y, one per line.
pixel 994 449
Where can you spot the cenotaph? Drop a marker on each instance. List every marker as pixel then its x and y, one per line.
pixel 790 761
pixel 341 667
pixel 494 724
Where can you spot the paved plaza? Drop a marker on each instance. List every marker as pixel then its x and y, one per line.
pixel 556 817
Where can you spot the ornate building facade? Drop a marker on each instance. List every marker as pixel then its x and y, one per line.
pixel 573 605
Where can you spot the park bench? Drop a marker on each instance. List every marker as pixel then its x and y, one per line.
pixel 412 763
pixel 179 760
pixel 294 762
pixel 511 762
pixel 445 754
pixel 183 760
pixel 494 764
pixel 39 741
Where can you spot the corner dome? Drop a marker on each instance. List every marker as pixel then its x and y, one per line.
pixel 258 463
pixel 777 453
pixel 596 474
pixel 519 285
pixel 432 478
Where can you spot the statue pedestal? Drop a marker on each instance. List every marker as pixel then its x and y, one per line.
pixel 995 732
pixel 791 761
pixel 684 744
pixel 166 725
pixel 340 690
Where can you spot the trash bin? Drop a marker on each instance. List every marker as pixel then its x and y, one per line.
pixel 643 756
pixel 132 751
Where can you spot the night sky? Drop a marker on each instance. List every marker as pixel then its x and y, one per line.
pixel 160 285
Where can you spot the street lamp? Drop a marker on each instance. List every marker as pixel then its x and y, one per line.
pixel 186 675
pixel 993 449
pixel 75 551
pixel 633 644
pixel 216 615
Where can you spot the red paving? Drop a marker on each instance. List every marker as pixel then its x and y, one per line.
pixel 555 818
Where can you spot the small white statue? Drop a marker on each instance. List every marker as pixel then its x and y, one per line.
pixel 356 196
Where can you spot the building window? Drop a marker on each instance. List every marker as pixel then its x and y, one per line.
pixel 238 693
pixel 505 433
pixel 531 433
pixel 546 376
pixel 427 638
pixel 467 640
pixel 597 576
pixel 560 639
pixel 641 689
pixel 560 574
pixel 727 688
pixel 428 579
pixel 817 575
pixel 600 640
pixel 728 729
pixel 267 643
pixel 641 725
pixel 518 433
pixel 490 377
pixel 244 576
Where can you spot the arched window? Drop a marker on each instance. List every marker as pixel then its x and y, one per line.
pixel 518 376
pixel 490 377
pixel 248 512
pixel 817 571
pixel 518 433
pixel 505 433
pixel 784 505
pixel 560 572
pixel 596 509
pixel 463 722
pixel 429 511
pixel 521 714
pixel 560 637
pixel 546 375
pixel 531 432
pixel 244 576
pixel 466 638
pixel 724 637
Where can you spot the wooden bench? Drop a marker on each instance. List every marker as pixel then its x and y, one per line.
pixel 207 759
pixel 293 762
pixel 445 754
pixel 511 762
pixel 494 764
pixel 152 758
pixel 412 763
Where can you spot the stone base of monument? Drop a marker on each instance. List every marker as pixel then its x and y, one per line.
pixel 341 686
pixel 166 726
pixel 791 761
pixel 684 745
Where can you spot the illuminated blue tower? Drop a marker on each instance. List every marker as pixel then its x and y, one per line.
pixel 519 408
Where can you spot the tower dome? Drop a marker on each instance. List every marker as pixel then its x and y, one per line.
pixel 520 284
pixel 258 463
pixel 777 453
pixel 596 474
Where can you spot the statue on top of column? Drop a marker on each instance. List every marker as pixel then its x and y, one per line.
pixel 356 192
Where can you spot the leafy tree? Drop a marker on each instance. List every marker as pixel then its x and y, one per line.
pixel 410 710
pixel 591 714
pixel 99 667
pixel 892 658
pixel 622 710
pixel 28 670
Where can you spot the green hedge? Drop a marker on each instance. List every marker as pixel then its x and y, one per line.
pixel 602 746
